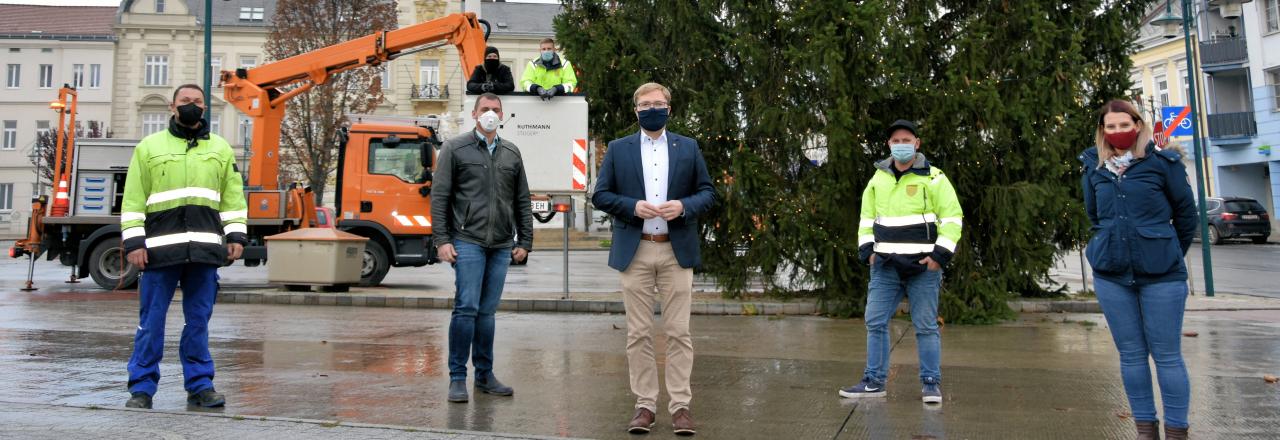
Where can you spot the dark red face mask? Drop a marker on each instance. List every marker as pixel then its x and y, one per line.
pixel 1123 140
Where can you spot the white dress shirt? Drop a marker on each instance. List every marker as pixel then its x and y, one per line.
pixel 653 154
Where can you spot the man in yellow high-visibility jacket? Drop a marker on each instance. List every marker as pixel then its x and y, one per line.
pixel 550 74
pixel 908 229
pixel 183 216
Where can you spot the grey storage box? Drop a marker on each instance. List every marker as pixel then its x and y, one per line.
pixel 315 256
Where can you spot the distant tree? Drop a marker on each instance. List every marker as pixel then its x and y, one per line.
pixel 308 136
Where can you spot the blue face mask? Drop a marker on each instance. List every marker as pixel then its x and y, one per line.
pixel 903 153
pixel 654 119
pixel 548 55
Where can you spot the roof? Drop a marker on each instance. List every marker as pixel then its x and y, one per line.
pixel 521 18
pixel 225 12
pixel 57 22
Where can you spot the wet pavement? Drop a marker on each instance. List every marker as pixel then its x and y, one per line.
pixel 1044 376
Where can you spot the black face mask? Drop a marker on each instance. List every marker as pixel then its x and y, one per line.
pixel 491 66
pixel 190 114
pixel 653 119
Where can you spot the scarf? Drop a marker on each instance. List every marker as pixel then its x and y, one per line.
pixel 1117 164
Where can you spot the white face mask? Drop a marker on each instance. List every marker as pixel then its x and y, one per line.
pixel 489 121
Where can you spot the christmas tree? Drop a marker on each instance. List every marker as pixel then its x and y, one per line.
pixel 1005 93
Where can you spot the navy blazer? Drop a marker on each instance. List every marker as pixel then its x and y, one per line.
pixel 620 185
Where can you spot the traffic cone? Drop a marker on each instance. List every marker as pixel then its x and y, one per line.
pixel 61 201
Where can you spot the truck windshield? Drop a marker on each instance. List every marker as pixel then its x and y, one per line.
pixel 404 161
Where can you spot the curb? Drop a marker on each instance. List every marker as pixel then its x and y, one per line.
pixel 707 308
pixel 718 308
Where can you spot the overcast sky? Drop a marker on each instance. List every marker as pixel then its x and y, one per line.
pixel 117 2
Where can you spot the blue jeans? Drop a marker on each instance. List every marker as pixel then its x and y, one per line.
pixel 1146 321
pixel 155 292
pixel 480 274
pixel 884 293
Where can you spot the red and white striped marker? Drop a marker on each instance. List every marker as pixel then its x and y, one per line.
pixel 579 164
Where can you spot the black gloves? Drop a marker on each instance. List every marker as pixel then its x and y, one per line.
pixel 486 87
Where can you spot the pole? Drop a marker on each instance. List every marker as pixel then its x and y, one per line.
pixel 1207 259
pixel 1084 272
pixel 568 217
pixel 208 59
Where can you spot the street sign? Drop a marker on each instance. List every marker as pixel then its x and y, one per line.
pixel 1177 121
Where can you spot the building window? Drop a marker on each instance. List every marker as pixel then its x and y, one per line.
pixel 157 70
pixel 154 122
pixel 245 134
pixel 429 73
pixel 1273 83
pixel 251 14
pixel 95 76
pixel 14 77
pixel 159 6
pixel 46 76
pixel 215 124
pixel 1271 13
pixel 10 135
pixel 1162 91
pixel 215 63
pixel 6 196
pixel 42 128
pixel 386 77
pixel 77 75
pixel 1186 87
pixel 248 62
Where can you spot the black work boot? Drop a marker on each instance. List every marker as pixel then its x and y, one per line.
pixel 458 391
pixel 491 385
pixel 139 400
pixel 207 398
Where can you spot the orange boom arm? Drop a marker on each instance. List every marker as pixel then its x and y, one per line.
pixel 257 92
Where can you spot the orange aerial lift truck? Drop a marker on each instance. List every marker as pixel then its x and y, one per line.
pixel 384 166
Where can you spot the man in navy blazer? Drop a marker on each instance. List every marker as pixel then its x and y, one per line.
pixel 655 185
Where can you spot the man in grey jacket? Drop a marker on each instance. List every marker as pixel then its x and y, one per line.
pixel 480 207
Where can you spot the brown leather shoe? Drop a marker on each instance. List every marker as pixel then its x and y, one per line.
pixel 1175 433
pixel 682 421
pixel 642 422
pixel 1148 430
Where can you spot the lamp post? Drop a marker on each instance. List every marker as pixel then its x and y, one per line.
pixel 1170 23
pixel 208 60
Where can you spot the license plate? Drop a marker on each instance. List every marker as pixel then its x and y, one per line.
pixel 541 206
pixel 1249 217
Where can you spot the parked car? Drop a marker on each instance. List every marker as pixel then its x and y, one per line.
pixel 1237 217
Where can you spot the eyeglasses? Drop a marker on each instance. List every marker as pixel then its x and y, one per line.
pixel 646 105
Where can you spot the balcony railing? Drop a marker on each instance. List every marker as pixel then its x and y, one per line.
pixel 1223 51
pixel 1227 125
pixel 430 92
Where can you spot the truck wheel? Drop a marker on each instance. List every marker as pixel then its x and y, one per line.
pixel 105 263
pixel 375 266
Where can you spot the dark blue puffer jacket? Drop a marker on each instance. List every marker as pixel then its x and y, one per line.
pixel 1143 221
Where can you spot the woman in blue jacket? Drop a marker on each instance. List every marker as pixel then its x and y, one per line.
pixel 1143 215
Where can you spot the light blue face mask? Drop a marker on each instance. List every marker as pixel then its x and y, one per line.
pixel 903 153
pixel 546 56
